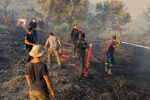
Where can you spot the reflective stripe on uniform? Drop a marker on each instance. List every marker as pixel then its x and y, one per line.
pixel 111 65
pixel 106 63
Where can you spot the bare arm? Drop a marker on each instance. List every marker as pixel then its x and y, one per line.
pixel 28 43
pixel 49 84
pixel 46 45
pixel 115 46
pixel 59 42
pixel 28 80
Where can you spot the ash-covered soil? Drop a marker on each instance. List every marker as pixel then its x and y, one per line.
pixel 130 79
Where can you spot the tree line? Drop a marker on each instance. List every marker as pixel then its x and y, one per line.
pixel 109 14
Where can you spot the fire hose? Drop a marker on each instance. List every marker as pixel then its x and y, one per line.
pixel 88 58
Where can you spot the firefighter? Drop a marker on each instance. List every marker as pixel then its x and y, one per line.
pixel 110 46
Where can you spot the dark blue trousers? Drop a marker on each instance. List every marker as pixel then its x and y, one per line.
pixel 109 60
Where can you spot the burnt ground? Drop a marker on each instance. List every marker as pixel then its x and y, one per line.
pixel 130 79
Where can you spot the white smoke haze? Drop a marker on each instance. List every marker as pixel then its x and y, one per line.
pixel 135 7
pixel 138 26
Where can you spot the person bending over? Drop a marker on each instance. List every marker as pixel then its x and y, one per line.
pixel 53 41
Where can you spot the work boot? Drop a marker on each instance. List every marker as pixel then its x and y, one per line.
pixel 110 72
pixel 106 69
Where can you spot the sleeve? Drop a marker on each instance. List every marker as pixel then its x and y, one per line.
pixel 44 70
pixel 114 43
pixel 35 25
pixel 71 35
pixel 78 34
pixel 30 23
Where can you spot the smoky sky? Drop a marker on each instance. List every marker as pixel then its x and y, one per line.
pixel 135 7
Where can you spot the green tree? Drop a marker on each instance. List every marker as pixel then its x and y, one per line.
pixel 64 11
pixel 112 15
